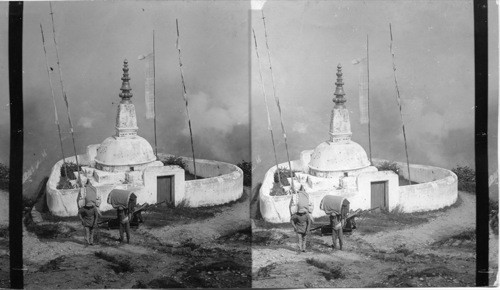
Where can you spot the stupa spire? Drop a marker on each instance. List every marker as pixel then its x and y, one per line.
pixel 339 99
pixel 126 121
pixel 340 126
pixel 125 94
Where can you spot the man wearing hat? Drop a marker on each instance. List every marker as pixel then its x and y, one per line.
pixel 301 223
pixel 88 215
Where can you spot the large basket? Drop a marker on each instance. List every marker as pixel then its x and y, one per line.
pixel 122 198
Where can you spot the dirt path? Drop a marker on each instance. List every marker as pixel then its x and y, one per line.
pixel 445 224
pixel 405 257
pixel 227 221
pixel 188 254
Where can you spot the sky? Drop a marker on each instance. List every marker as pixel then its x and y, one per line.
pixel 93 40
pixel 434 58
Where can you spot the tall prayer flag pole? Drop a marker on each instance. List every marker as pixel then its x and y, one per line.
pixel 64 96
pixel 185 96
pixel 277 101
pixel 269 125
pixel 368 98
pixel 154 92
pixel 53 101
pixel 399 103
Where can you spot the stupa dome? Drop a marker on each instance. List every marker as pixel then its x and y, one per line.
pixel 125 148
pixel 124 151
pixel 340 153
pixel 334 156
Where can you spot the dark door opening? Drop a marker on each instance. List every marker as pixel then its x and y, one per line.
pixel 165 188
pixel 379 194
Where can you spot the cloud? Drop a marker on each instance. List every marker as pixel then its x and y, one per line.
pixel 300 127
pixel 208 115
pixel 85 122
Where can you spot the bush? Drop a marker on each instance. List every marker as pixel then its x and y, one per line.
pixel 284 173
pixel 387 165
pixel 246 167
pixel 28 202
pixel 64 183
pixel 466 178
pixel 494 216
pixel 4 177
pixel 70 168
pixel 277 190
pixel 172 160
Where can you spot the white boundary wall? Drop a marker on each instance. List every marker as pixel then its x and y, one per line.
pixel 437 188
pixel 223 183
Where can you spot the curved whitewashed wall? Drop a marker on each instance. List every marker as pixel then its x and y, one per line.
pixel 437 188
pixel 275 209
pixel 62 202
pixel 222 183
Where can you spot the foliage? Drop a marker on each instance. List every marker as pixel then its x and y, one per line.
pixel 172 160
pixel 466 178
pixel 465 173
pixel 246 167
pixel 284 173
pixel 28 202
pixel 387 165
pixel 64 183
pixel 494 216
pixel 277 190
pixel 4 177
pixel 70 167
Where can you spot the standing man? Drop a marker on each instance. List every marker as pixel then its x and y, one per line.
pixel 301 223
pixel 124 220
pixel 337 207
pixel 336 223
pixel 88 215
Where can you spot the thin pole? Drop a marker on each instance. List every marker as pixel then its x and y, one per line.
pixel 399 103
pixel 154 92
pixel 64 95
pixel 185 97
pixel 53 100
pixel 269 125
pixel 277 101
pixel 15 51
pixel 368 97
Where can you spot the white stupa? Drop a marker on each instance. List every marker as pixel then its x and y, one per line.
pixel 338 156
pixel 124 151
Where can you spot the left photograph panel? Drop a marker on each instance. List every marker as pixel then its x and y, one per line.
pixel 137 167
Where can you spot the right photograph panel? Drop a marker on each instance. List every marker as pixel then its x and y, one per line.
pixel 363 144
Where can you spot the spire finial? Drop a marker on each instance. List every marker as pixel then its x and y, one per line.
pixel 339 91
pixel 125 94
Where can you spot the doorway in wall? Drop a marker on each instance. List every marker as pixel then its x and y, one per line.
pixel 165 188
pixel 379 194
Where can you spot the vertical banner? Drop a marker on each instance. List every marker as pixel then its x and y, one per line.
pixel 363 89
pixel 149 86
